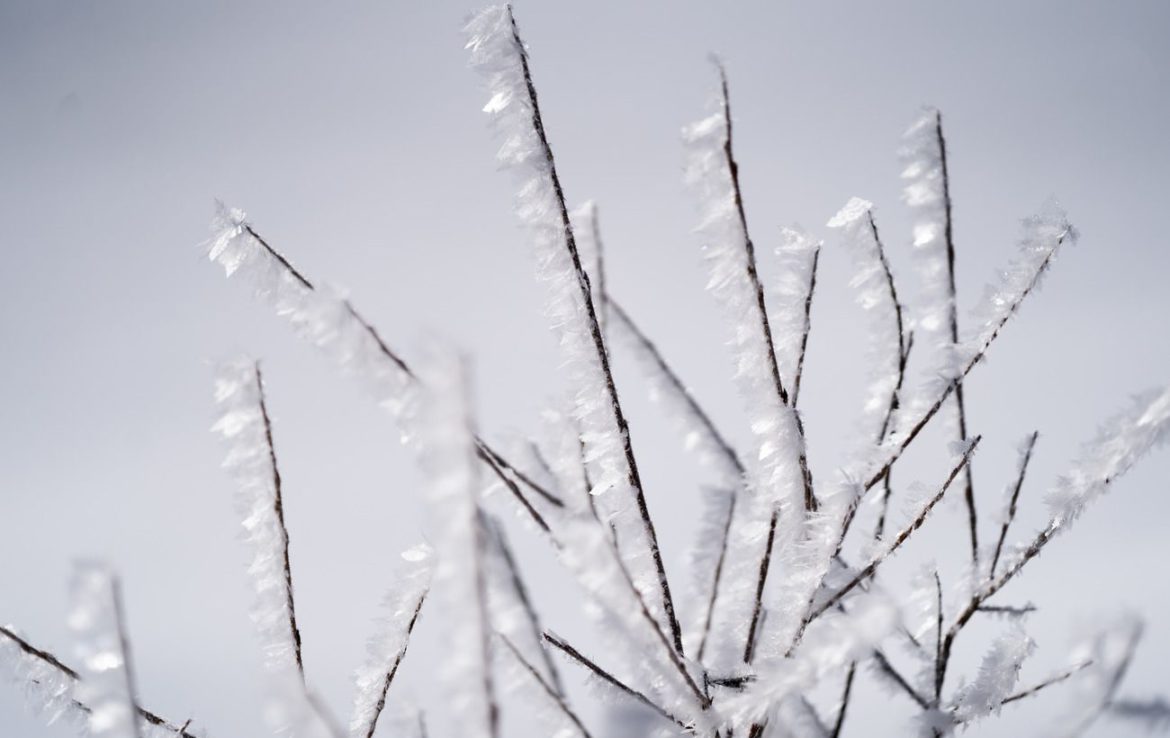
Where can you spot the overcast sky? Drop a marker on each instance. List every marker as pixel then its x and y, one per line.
pixel 352 135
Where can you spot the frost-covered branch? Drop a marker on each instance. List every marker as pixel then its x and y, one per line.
pixel 608 678
pixel 1044 234
pixel 520 616
pixel 329 321
pixel 106 681
pixel 928 192
pixel 51 683
pixel 1013 499
pixel 447 454
pixel 554 693
pixel 920 518
pixel 388 647
pixel 246 428
pixel 714 174
pixel 497 51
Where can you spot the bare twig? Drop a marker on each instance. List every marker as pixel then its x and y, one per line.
pixel 555 693
pixel 609 678
pixel 761 579
pixel 888 669
pixel 938 632
pixel 1025 693
pixel 709 611
pixel 518 586
pixel 622 427
pixel 489 692
pixel 840 721
pixel 1011 514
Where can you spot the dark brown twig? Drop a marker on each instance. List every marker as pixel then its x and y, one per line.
pixel 810 500
pixel 1025 693
pixel 904 534
pixel 953 319
pixel 839 723
pixel 556 694
pixel 938 632
pixel 1011 514
pixel 388 678
pixel 622 427
pixel 716 579
pixel 52 661
pixel 384 348
pixel 609 678
pixel 761 579
pixel 124 647
pixel 930 412
pixel 808 300
pixel 518 586
pixel 278 509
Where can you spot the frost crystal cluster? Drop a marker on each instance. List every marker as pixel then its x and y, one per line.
pixel 788 604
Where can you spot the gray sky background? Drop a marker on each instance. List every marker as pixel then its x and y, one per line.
pixel 351 133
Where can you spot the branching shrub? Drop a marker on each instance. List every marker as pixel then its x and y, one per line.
pixel 793 602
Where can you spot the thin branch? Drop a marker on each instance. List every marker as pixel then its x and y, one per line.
pixel 810 500
pixel 904 534
pixel 761 579
pixel 938 636
pixel 481 593
pixel 930 412
pixel 124 648
pixel 709 611
pixel 679 388
pixel 609 678
pixel 539 489
pixel 490 459
pixel 1007 609
pixel 953 318
pixel 901 681
pixel 1025 693
pixel 808 300
pixel 555 693
pixel 530 614
pixel 386 351
pixel 880 527
pixel 393 670
pixel 1011 514
pixel 52 661
pixel 278 509
pixel 840 721
pixel 633 477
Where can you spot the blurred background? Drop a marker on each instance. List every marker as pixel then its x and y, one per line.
pixel 352 135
